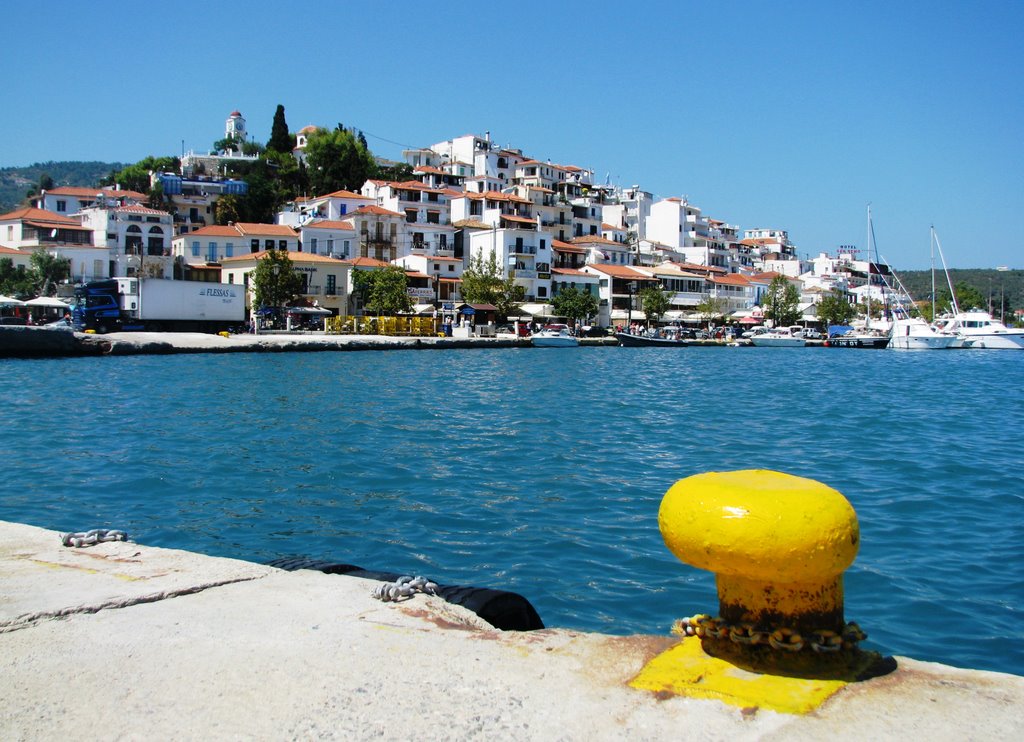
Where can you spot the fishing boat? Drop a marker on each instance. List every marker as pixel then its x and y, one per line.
pixel 780 337
pixel 668 337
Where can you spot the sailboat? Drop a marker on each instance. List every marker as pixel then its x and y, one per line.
pixel 869 337
pixel 976 328
pixel 913 333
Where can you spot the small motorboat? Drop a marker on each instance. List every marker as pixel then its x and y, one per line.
pixel 554 336
pixel 780 337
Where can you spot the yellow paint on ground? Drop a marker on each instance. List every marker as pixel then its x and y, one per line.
pixel 88 570
pixel 685 670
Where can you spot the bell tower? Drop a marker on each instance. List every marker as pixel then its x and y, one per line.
pixel 234 127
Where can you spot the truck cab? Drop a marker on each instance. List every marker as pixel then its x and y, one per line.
pixel 98 306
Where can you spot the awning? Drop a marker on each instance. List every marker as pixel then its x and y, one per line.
pixel 46 301
pixel 10 301
pixel 307 310
pixel 538 310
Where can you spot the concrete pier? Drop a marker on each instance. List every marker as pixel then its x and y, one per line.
pixel 121 640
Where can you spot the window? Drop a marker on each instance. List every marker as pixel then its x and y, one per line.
pixel 342 209
pixel 312 246
pixel 62 206
pixel 282 244
pixel 346 247
pixel 331 288
pixel 330 245
pixel 542 291
pixel 268 244
pixel 195 249
pixel 211 252
pixel 229 250
pixel 254 245
pixel 543 244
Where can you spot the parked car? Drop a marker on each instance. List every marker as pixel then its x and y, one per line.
pixel 524 329
pixel 812 334
pixel 593 331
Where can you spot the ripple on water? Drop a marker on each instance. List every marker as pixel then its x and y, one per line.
pixel 543 472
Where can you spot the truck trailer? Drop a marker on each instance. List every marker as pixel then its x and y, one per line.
pixel 158 304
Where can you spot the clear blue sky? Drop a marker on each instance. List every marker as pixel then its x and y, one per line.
pixel 792 115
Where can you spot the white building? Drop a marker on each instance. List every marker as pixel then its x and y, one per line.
pixel 334 238
pixel 68 200
pixel 138 239
pixel 325 280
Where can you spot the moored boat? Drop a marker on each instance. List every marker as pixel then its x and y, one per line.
pixel 979 329
pixel 665 338
pixel 913 333
pixel 554 336
pixel 780 337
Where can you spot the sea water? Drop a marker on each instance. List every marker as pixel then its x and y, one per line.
pixel 541 470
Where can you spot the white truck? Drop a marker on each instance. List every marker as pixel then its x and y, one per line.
pixel 158 304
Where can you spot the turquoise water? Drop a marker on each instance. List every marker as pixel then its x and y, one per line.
pixel 541 471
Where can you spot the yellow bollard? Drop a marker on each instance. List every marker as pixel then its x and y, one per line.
pixel 778 545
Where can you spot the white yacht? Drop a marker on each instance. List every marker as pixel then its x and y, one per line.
pixel 978 329
pixel 780 337
pixel 913 333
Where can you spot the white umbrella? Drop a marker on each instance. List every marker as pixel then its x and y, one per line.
pixel 47 301
pixel 10 301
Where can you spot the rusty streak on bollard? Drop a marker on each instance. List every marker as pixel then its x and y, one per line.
pixel 778 545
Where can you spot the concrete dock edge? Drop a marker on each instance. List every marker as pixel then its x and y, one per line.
pixel 124 640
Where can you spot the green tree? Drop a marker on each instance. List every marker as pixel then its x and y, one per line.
pixel 482 280
pixel 335 160
pixel 399 172
pixel 967 296
pixel 653 302
pixel 385 291
pixel 280 140
pixel 226 210
pixel 15 281
pixel 510 298
pixel 781 302
pixel 136 177
pixel 483 283
pixel 574 304
pixel 47 271
pixel 834 309
pixel 710 307
pixel 274 281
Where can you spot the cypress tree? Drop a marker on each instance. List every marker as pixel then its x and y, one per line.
pixel 280 139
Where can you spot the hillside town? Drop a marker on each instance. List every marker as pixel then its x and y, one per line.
pixel 549 226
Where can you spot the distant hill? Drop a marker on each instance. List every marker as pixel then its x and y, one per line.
pixel 988 282
pixel 15 182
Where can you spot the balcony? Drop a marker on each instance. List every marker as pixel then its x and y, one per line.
pixel 522 273
pixel 522 249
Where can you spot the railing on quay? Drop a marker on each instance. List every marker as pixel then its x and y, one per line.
pixel 397 326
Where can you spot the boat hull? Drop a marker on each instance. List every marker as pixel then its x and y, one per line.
pixel 640 341
pixel 869 342
pixel 766 341
pixel 554 340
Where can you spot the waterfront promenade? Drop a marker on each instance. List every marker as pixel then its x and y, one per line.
pixel 122 640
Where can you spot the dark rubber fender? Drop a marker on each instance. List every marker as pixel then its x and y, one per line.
pixel 502 609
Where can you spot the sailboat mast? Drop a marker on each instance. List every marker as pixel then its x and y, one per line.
pixel 945 269
pixel 867 301
pixel 932 246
